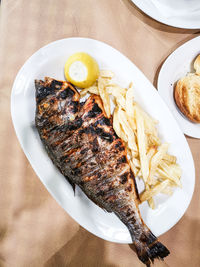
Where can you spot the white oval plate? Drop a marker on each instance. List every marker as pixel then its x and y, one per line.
pixel 49 61
pixel 176 13
pixel 176 66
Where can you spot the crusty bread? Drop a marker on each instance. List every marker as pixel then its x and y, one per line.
pixel 187 96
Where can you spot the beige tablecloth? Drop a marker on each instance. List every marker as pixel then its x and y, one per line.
pixel 34 229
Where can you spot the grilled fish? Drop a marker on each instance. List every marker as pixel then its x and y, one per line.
pixel 82 143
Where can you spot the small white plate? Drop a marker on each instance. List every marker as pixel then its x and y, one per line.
pixel 49 61
pixel 176 13
pixel 176 66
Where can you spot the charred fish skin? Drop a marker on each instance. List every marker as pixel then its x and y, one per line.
pixel 82 143
pixel 56 107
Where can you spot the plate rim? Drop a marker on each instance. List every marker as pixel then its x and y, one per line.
pixel 35 169
pixel 164 21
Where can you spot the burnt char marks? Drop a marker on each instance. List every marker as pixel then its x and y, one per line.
pixel 51 87
pixel 68 92
pixel 84 151
pixel 63 94
pixel 56 84
pixel 44 89
pixel 129 188
pixel 95 131
pixel 100 126
pixel 69 126
pixel 104 135
pixel 74 106
pixel 77 123
pixel 64 158
pixel 128 212
pixel 48 126
pixel 74 125
pixel 122 160
pixel 124 178
pixel 100 187
pixel 103 121
pixel 94 111
pixel 95 145
pixel 75 171
pixel 42 92
pixel 100 193
pixel 119 146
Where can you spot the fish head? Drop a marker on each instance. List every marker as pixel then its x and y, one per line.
pixel 57 102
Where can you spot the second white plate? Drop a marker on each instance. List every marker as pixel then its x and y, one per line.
pixel 177 65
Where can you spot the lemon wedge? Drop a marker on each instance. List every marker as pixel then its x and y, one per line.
pixel 81 70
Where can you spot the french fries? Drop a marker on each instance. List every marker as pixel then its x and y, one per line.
pixel 106 74
pixel 92 90
pixel 128 130
pixel 117 126
pixel 155 160
pixel 148 157
pixel 104 95
pixel 169 158
pixel 130 108
pixel 147 194
pixel 142 146
pixel 118 93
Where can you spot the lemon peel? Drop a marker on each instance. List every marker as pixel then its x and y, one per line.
pixel 81 70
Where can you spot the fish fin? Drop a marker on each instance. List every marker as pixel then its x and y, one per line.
pixel 135 187
pixel 92 199
pixel 149 248
pixel 71 183
pixel 97 203
pixel 74 188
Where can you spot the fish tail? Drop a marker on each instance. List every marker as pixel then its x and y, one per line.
pixel 149 248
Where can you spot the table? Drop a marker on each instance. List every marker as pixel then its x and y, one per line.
pixel 34 230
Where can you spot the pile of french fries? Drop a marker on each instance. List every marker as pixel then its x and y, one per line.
pixel 148 157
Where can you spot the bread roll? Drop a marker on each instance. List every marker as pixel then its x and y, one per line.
pixel 187 96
